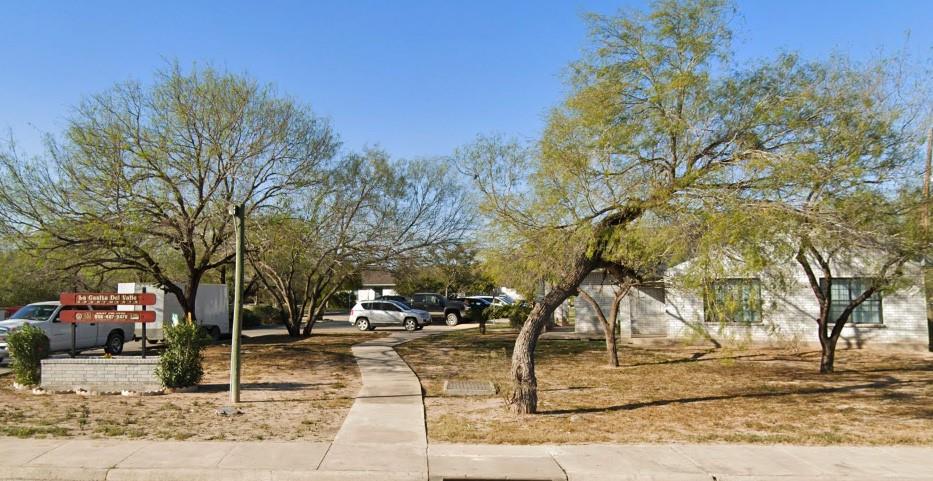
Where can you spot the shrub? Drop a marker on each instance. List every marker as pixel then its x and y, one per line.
pixel 28 347
pixel 263 314
pixel 516 313
pixel 250 319
pixel 180 364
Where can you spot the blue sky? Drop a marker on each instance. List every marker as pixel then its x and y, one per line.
pixel 416 78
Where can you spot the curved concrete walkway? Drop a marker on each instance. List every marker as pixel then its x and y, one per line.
pixel 384 432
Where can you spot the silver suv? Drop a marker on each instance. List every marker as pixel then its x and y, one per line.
pixel 366 315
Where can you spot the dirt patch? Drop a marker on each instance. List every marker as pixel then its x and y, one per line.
pixel 678 394
pixel 291 389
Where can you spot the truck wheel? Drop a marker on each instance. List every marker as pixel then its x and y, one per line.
pixel 452 319
pixel 362 324
pixel 411 324
pixel 114 343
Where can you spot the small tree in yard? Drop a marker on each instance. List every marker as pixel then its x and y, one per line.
pixel 366 210
pixel 181 364
pixel 841 200
pixel 620 288
pixel 28 347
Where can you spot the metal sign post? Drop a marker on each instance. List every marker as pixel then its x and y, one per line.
pixel 144 328
pixel 74 328
pixel 239 216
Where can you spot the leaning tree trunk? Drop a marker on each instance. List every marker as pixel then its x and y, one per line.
pixel 524 397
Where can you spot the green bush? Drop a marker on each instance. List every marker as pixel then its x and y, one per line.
pixel 28 347
pixel 516 313
pixel 180 363
pixel 250 319
pixel 263 314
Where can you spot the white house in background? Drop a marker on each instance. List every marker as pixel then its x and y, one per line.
pixel 511 293
pixel 375 284
pixel 662 311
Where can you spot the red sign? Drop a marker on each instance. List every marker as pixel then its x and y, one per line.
pixel 107 299
pixel 107 316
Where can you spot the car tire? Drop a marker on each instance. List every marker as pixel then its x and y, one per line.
pixel 452 319
pixel 214 333
pixel 114 344
pixel 363 324
pixel 411 324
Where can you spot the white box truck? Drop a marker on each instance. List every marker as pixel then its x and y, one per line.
pixel 211 309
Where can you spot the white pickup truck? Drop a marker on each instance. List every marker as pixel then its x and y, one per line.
pixel 45 315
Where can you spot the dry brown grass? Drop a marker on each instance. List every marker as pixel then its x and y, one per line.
pixel 678 394
pixel 292 389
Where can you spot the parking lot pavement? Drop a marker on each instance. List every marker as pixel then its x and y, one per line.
pixel 331 324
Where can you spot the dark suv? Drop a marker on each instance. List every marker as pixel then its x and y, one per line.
pixel 453 311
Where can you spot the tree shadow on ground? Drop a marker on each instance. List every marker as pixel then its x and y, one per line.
pixel 263 386
pixel 884 383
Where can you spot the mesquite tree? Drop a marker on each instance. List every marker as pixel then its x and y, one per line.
pixel 144 176
pixel 620 288
pixel 659 126
pixel 841 200
pixel 366 211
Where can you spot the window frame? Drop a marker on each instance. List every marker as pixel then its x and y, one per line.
pixel 736 282
pixel 389 307
pixel 836 306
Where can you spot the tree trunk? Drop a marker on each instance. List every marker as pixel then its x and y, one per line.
pixel 828 355
pixel 191 296
pixel 611 345
pixel 609 331
pixel 524 397
pixel 293 320
pixel 312 317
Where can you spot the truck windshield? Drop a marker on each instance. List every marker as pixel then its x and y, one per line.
pixel 34 312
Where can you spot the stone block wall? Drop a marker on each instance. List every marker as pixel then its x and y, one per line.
pixel 101 375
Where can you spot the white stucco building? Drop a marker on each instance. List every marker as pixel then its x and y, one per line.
pixel 375 284
pixel 760 314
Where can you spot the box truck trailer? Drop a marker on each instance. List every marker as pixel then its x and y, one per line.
pixel 211 310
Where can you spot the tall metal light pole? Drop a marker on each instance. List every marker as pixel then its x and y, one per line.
pixel 239 227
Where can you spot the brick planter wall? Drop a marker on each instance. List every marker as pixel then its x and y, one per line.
pixel 101 375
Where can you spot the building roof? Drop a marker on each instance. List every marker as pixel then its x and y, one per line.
pixel 377 278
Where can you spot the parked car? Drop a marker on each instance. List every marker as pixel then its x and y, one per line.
pixel 366 315
pixel 494 300
pixel 45 315
pixel 452 311
pixel 394 298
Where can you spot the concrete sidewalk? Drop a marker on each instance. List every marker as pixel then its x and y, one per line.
pixel 384 432
pixel 120 460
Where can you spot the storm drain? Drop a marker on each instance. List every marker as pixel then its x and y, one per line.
pixel 454 387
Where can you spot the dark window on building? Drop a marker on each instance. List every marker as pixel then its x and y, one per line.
pixel 846 289
pixel 733 300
